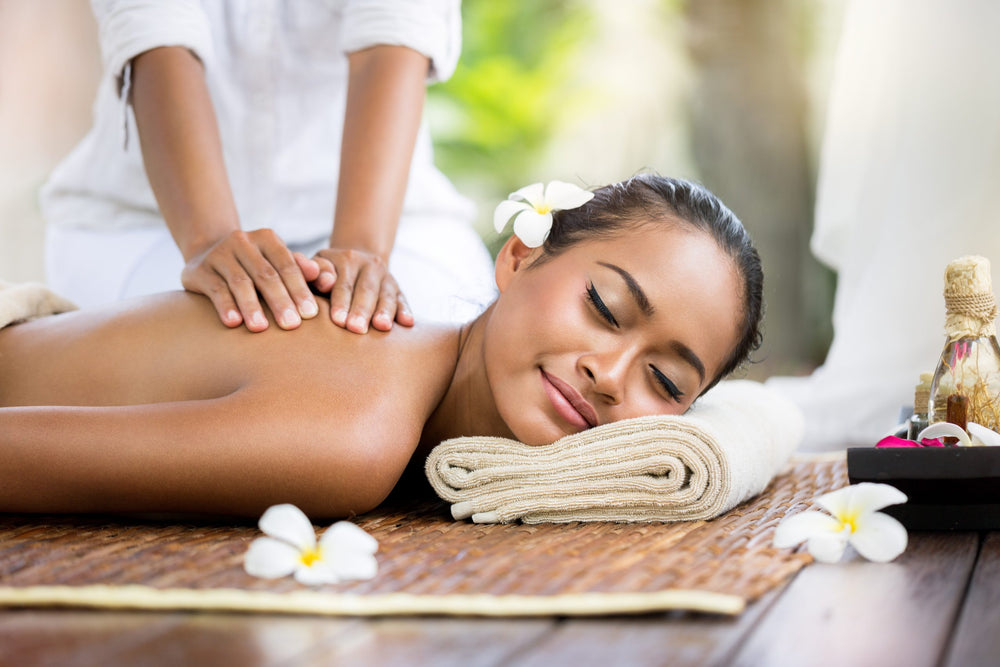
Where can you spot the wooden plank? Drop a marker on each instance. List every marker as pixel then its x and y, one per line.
pixel 237 639
pixel 431 641
pixel 74 637
pixel 977 639
pixel 30 637
pixel 672 639
pixel 860 613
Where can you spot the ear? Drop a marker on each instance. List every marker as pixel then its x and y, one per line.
pixel 513 256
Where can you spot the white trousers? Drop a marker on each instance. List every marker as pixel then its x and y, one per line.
pixel 442 266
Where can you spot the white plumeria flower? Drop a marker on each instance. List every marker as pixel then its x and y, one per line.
pixel 855 520
pixel 345 551
pixel 980 435
pixel 531 209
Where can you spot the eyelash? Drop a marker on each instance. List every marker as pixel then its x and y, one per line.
pixel 598 303
pixel 665 382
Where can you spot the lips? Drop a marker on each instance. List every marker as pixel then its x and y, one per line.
pixel 568 402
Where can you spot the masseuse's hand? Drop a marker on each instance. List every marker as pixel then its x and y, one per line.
pixel 362 291
pixel 232 270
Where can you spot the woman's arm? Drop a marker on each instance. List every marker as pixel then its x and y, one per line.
pixel 182 153
pixel 385 101
pixel 232 455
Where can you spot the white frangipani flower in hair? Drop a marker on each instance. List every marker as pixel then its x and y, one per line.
pixel 853 519
pixel 531 209
pixel 344 551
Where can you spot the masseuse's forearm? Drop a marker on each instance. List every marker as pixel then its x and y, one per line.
pixel 181 147
pixel 384 105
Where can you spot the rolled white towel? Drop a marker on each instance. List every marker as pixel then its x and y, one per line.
pixel 27 301
pixel 724 450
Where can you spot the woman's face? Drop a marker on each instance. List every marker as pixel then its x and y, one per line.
pixel 609 329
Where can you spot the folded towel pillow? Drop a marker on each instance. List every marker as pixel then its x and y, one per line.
pixel 723 451
pixel 27 301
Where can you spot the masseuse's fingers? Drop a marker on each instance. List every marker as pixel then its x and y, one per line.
pixel 391 305
pixel 279 279
pixel 327 274
pixel 240 285
pixel 263 263
pixel 203 280
pixel 310 268
pixel 342 291
pixel 235 268
pixel 404 315
pixel 222 279
pixel 362 291
pixel 366 295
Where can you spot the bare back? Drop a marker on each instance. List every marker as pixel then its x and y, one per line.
pixel 265 406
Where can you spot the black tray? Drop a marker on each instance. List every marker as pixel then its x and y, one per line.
pixel 949 488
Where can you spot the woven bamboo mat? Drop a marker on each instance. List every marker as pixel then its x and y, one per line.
pixel 428 564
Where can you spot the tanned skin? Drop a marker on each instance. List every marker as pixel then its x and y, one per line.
pixel 154 405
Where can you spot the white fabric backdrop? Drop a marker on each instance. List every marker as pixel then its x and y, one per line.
pixel 909 180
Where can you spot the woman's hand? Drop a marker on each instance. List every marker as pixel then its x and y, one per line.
pixel 182 153
pixel 235 268
pixel 385 98
pixel 362 291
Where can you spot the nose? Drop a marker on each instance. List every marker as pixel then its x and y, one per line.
pixel 607 372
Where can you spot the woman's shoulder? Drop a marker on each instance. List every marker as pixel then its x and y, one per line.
pixel 424 349
pixel 396 377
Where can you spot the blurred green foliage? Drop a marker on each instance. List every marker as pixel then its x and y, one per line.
pixel 492 119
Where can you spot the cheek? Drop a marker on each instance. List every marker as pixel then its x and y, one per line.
pixel 645 403
pixel 542 316
pixel 532 327
pixel 510 353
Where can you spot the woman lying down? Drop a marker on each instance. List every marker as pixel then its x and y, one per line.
pixel 637 302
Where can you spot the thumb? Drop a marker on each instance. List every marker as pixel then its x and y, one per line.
pixel 309 267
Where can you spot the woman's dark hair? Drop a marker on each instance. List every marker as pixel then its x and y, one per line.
pixel 651 198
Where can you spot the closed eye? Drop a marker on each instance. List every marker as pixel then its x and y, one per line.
pixel 600 306
pixel 666 383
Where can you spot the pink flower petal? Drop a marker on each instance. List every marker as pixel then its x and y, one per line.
pixel 893 441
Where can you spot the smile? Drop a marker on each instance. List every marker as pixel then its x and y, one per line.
pixel 568 402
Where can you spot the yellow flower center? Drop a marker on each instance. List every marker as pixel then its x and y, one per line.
pixel 848 524
pixel 542 209
pixel 309 557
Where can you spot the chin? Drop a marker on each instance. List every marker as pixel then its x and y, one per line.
pixel 537 434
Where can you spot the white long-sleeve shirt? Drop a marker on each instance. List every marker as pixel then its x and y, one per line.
pixel 277 74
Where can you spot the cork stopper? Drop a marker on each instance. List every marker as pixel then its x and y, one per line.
pixel 968 298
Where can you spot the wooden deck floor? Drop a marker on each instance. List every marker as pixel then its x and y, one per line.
pixel 938 604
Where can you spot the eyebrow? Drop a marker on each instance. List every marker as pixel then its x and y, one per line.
pixel 685 352
pixel 688 355
pixel 633 287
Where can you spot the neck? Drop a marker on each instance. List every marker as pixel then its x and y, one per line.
pixel 467 407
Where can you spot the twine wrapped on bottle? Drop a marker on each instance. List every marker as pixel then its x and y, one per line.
pixel 968 298
pixel 969 369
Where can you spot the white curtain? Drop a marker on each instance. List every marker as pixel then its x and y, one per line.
pixel 909 179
